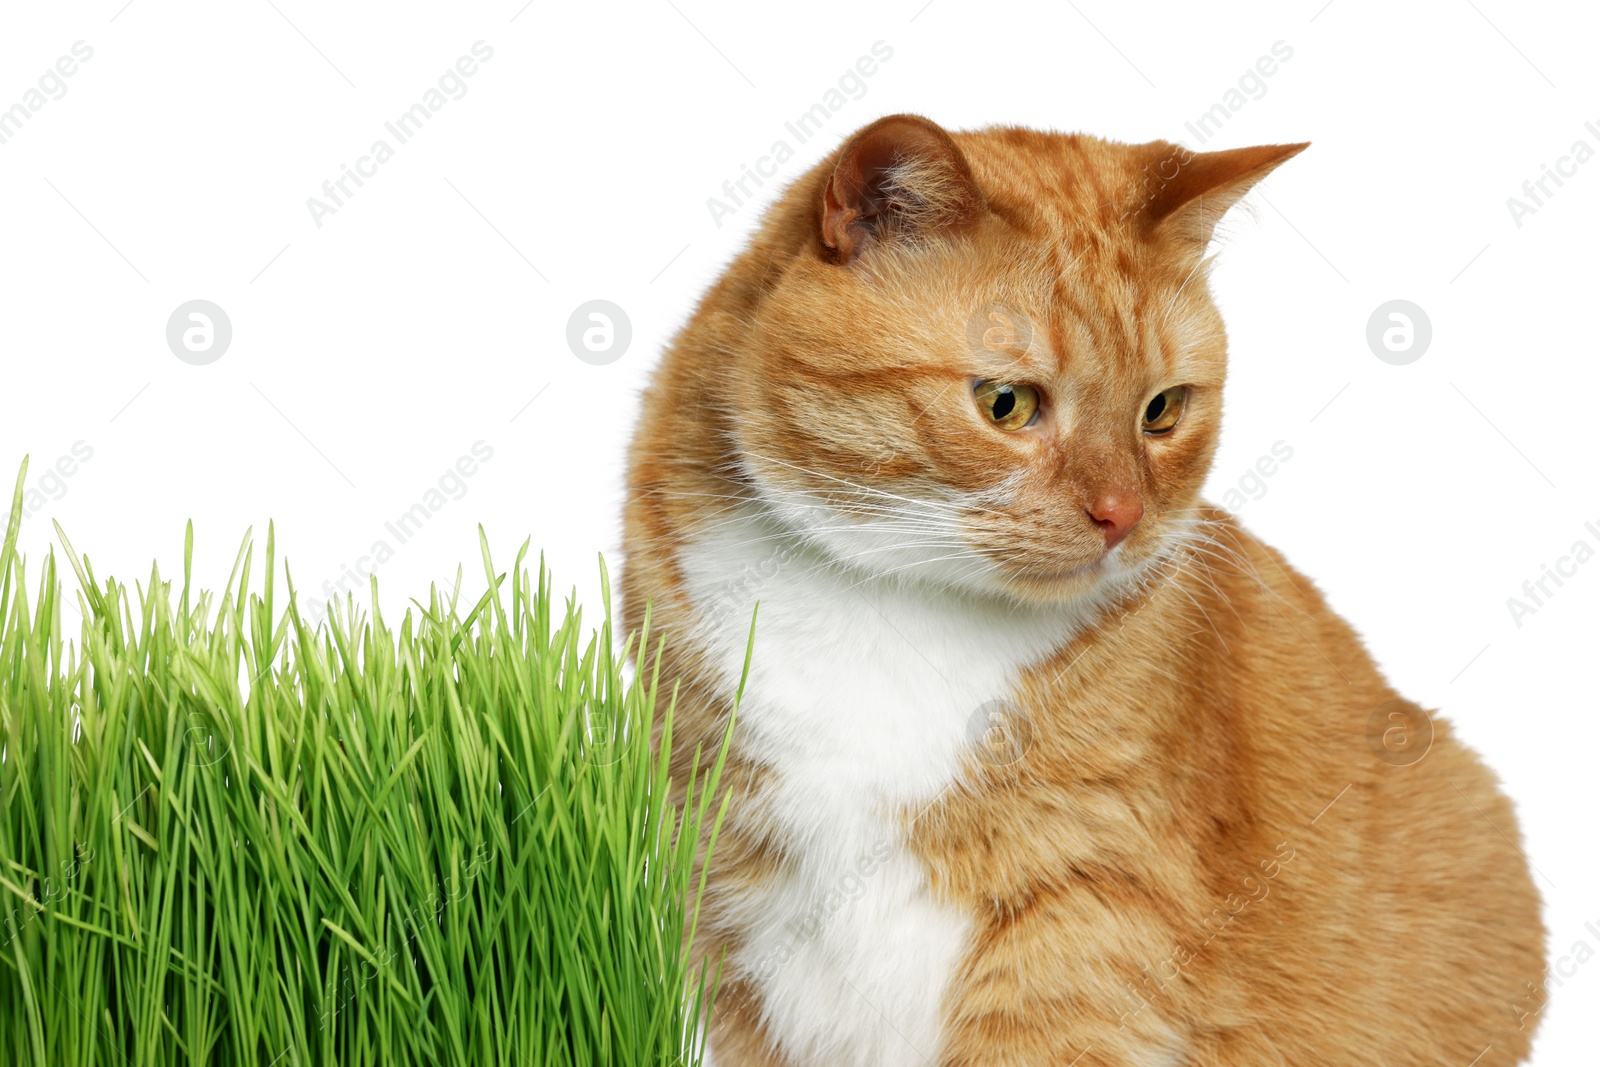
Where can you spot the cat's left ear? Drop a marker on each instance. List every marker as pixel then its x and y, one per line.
pixel 898 176
pixel 1193 190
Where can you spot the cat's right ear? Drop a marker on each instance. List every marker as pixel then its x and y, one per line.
pixel 900 176
pixel 1191 191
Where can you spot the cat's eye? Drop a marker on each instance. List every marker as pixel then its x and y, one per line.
pixel 1165 409
pixel 1009 405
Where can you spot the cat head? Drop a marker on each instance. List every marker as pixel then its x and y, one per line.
pixel 989 359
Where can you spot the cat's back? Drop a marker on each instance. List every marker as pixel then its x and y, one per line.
pixel 1402 836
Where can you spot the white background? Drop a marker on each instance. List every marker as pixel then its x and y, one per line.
pixel 425 314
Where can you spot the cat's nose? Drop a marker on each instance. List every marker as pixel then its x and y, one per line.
pixel 1117 514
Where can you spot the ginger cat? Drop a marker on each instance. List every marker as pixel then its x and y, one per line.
pixel 1041 759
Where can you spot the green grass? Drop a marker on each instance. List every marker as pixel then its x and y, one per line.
pixel 230 838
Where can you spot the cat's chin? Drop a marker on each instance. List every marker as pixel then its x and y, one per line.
pixel 1057 584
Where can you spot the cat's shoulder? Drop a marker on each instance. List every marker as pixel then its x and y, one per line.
pixel 1250 566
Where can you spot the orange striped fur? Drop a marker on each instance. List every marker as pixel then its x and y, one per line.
pixel 1192 839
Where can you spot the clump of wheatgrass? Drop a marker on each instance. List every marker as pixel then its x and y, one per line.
pixel 228 837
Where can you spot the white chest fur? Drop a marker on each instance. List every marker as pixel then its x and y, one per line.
pixel 861 698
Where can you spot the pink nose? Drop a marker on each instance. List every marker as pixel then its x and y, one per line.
pixel 1117 514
